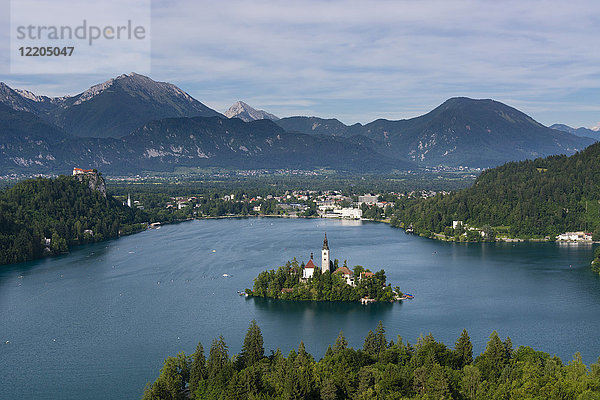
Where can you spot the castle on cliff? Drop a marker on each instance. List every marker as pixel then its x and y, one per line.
pixel 93 177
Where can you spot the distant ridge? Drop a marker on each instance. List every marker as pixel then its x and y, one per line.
pixel 29 144
pixel 583 132
pixel 459 132
pixel 107 127
pixel 318 126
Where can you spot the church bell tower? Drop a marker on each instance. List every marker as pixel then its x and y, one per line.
pixel 325 256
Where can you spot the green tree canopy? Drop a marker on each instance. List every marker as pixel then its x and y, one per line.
pixel 252 349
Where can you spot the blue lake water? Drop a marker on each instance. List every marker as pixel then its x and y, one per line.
pixel 97 323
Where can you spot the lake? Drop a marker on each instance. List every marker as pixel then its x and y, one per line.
pixel 98 323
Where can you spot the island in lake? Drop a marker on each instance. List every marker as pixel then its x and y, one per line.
pixel 295 281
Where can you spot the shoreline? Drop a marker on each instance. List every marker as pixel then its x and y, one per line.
pixel 359 301
pixel 154 225
pixel 442 238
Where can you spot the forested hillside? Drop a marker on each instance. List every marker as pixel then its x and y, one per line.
pixel 382 369
pixel 63 210
pixel 538 198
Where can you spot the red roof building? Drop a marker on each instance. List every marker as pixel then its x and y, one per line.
pixel 308 270
pixel 344 271
pixel 366 274
pixel 77 171
pixel 347 274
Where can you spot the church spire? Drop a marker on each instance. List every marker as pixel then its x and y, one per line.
pixel 325 256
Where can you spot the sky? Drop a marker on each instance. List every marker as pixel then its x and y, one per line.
pixel 359 60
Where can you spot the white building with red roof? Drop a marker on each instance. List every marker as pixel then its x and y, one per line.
pixel 309 269
pixel 347 274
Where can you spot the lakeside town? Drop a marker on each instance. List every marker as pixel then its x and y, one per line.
pixel 150 209
pixel 334 204
pixel 464 172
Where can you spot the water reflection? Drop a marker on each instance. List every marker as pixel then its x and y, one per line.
pixel 299 309
pixel 351 222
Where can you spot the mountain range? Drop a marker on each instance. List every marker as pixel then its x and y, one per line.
pixel 132 123
pixel 593 133
pixel 110 109
pixel 461 131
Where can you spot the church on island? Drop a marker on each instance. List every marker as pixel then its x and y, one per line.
pixel 324 282
pixel 326 265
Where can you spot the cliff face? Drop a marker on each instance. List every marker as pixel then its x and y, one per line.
pixel 95 181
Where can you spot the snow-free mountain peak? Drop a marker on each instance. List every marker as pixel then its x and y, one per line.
pixel 136 84
pixel 247 113
pixel 581 131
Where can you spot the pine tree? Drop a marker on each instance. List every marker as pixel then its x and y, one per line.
pixel 470 381
pixel 328 390
pixel 328 352
pixel 238 387
pixel 508 347
pixel 380 340
pixel 492 361
pixel 218 357
pixel 495 350
pixel 370 345
pixel 169 385
pixel 198 368
pixel 463 349
pixel 299 379
pixel 252 349
pixel 340 343
pixel 183 367
pixel 302 354
pixel 436 386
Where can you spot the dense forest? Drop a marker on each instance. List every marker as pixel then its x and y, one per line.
pixel 47 216
pixel 286 283
pixel 527 199
pixel 382 369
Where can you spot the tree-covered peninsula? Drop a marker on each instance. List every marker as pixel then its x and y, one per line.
pixel 382 369
pixel 527 199
pixel 288 282
pixel 48 216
